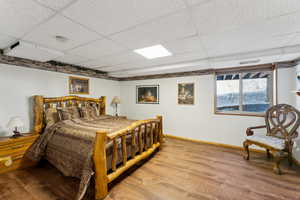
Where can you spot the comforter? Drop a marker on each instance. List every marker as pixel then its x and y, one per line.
pixel 69 144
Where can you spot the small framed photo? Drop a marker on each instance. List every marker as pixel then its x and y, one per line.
pixel 186 94
pixel 78 85
pixel 147 94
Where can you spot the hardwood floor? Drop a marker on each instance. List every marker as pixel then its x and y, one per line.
pixel 182 170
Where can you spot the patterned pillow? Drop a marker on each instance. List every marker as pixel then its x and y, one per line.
pixel 51 116
pixel 69 113
pixel 88 112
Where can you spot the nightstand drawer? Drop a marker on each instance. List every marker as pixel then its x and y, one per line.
pixel 7 149
pixel 16 149
pixel 17 163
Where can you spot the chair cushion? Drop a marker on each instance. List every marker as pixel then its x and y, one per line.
pixel 274 142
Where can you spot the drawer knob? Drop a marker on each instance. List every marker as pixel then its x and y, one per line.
pixel 7 161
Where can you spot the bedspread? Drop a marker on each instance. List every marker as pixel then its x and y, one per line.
pixel 69 145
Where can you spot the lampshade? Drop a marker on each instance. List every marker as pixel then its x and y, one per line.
pixel 116 100
pixel 15 122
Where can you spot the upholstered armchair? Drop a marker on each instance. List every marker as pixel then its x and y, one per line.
pixel 282 122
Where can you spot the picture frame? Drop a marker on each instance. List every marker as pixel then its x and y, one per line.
pixel 147 94
pixel 186 94
pixel 79 85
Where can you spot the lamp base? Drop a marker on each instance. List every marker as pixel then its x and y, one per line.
pixel 16 135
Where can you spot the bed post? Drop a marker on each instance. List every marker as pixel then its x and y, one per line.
pixel 161 136
pixel 102 105
pixel 38 109
pixel 99 158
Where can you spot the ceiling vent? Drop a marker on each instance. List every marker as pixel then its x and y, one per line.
pixel 31 51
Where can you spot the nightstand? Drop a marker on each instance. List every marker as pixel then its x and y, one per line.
pixel 12 152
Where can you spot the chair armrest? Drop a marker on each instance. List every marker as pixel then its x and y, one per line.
pixel 249 130
pixel 292 137
pixel 295 135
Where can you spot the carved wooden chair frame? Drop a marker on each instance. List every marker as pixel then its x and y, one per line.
pixel 277 125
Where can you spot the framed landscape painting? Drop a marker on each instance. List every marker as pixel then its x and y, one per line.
pixel 78 85
pixel 147 94
pixel 186 94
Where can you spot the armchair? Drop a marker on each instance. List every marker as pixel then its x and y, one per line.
pixel 282 122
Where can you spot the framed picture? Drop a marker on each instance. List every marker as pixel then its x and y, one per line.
pixel 147 94
pixel 78 85
pixel 186 95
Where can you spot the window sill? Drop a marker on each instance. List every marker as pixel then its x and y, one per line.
pixel 241 114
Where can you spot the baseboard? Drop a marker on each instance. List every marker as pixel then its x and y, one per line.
pixel 213 143
pixel 221 145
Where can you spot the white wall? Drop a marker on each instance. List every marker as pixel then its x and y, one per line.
pixel 199 121
pixel 297 103
pixel 18 84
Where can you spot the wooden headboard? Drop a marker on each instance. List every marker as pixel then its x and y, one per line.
pixel 42 103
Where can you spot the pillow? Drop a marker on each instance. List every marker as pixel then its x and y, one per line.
pixel 69 113
pixel 88 112
pixel 51 116
pixel 95 110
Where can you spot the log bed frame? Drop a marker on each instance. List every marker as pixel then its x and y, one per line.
pixel 102 176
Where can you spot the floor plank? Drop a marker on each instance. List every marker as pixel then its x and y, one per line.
pixel 181 170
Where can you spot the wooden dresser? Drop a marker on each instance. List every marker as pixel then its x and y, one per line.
pixel 12 152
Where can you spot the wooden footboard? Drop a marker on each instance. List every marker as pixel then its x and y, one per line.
pixel 141 148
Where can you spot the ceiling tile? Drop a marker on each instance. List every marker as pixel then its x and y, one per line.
pixel 219 15
pixel 112 60
pixel 33 52
pixel 169 28
pixel 97 49
pixel 59 25
pixel 18 17
pixel 214 16
pixel 252 37
pixel 123 58
pixel 203 64
pixel 71 59
pixel 55 4
pixel 196 2
pixel 111 16
pixel 171 60
pixel 94 63
pixel 190 44
pixel 6 41
pixel 295 40
pixel 278 7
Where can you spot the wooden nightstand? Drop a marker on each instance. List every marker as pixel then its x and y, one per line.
pixel 13 150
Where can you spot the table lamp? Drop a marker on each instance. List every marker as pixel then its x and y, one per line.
pixel 115 102
pixel 14 124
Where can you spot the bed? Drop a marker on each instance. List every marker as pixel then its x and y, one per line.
pixel 102 147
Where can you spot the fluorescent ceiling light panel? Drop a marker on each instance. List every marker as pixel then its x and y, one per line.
pixel 156 51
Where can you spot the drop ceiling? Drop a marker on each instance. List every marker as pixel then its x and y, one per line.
pixel 201 34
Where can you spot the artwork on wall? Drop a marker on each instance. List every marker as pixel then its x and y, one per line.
pixel 147 94
pixel 186 94
pixel 78 85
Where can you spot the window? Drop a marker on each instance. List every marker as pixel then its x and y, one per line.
pixel 249 93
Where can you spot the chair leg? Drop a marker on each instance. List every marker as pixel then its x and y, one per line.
pixel 268 153
pixel 277 158
pixel 246 147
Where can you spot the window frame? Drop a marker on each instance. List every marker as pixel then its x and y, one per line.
pixel 273 92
